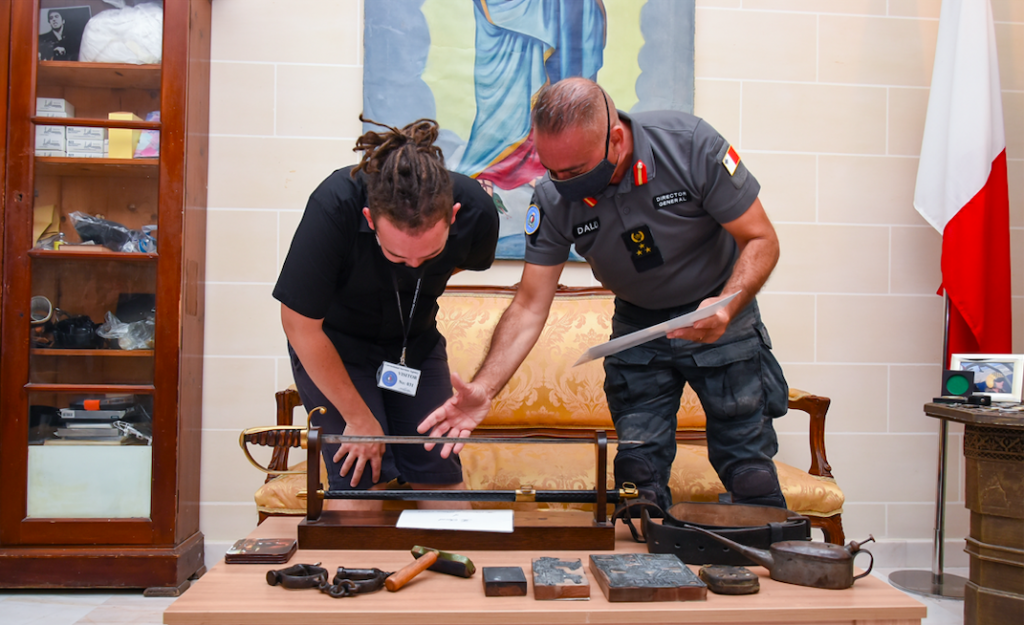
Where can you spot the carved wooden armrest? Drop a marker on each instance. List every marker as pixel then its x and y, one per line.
pixel 287 401
pixel 816 407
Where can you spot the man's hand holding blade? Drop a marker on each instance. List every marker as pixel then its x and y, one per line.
pixel 358 455
pixel 458 416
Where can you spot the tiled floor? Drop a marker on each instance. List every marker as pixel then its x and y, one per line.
pixel 128 607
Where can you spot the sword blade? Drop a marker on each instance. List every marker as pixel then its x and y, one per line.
pixel 406 440
pixel 540 496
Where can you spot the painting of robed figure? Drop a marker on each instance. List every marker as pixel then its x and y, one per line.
pixel 476 67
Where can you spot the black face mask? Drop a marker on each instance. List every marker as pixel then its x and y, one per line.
pixel 593 182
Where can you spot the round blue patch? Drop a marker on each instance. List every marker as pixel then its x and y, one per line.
pixel 389 378
pixel 532 219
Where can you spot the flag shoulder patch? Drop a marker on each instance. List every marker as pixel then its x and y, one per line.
pixel 729 158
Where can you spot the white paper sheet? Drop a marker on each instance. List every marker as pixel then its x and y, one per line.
pixel 633 339
pixel 464 520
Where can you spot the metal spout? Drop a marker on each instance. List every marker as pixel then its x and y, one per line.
pixel 760 556
pixel 854 546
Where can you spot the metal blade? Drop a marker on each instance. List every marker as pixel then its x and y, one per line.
pixel 406 440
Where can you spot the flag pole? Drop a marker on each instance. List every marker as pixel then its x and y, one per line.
pixel 936 583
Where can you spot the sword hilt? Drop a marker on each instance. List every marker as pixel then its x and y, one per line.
pixel 277 436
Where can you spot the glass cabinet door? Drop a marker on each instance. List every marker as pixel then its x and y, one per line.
pixel 93 258
pixel 101 305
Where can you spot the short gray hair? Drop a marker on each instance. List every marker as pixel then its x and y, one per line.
pixel 570 103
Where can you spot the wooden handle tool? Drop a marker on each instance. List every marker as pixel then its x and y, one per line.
pixel 411 570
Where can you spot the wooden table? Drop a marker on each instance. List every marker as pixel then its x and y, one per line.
pixel 239 594
pixel 994 489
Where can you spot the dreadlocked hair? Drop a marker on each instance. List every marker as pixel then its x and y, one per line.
pixel 407 182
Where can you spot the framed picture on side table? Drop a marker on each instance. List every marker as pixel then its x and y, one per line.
pixel 1000 376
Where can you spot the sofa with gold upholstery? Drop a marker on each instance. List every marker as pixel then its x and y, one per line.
pixel 548 396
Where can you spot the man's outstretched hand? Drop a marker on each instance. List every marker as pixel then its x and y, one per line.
pixel 457 417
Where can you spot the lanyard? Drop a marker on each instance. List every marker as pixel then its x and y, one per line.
pixel 406 328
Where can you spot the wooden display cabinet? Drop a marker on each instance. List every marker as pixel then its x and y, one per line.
pixel 87 503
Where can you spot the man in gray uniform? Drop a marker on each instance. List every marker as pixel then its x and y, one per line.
pixel 669 219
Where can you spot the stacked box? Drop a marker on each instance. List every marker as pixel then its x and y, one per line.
pixel 54 107
pixel 85 148
pixel 87 132
pixel 52 140
pixel 122 141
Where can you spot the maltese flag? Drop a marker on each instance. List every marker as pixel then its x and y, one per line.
pixel 961 179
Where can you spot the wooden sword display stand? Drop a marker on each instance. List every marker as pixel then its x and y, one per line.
pixel 533 530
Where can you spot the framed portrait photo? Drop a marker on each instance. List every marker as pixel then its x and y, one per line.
pixel 60 32
pixel 1000 376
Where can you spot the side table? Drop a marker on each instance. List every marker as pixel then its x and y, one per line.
pixel 994 461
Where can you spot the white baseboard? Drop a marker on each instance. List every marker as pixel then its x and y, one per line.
pixel 215 550
pixel 915 554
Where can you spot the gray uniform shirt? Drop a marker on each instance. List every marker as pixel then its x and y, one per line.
pixel 655 239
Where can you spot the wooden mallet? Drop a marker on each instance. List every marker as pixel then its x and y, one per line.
pixel 426 558
pixel 409 571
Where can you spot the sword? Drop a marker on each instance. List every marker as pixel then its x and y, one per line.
pixel 406 440
pixel 524 494
pixel 639 337
pixel 294 436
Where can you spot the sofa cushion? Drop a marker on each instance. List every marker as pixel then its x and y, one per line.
pixel 546 391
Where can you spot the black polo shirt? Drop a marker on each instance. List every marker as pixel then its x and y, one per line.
pixel 335 270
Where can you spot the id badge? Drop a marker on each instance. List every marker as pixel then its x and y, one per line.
pixel 398 378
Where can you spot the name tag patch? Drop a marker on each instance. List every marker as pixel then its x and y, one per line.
pixel 586 227
pixel 668 199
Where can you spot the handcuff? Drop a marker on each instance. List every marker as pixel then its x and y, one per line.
pixel 346 582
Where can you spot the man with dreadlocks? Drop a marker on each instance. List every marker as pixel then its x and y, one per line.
pixel 358 290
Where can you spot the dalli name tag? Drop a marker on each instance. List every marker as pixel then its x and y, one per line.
pixel 586 227
pixel 399 379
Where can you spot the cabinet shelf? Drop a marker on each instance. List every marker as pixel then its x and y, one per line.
pixel 101 75
pixel 138 353
pixel 34 387
pixel 95 252
pixel 123 167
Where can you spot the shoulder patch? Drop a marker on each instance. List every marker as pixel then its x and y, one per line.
pixel 731 160
pixel 533 215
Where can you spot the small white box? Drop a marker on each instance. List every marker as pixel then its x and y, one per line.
pixel 85 155
pixel 51 144
pixel 54 105
pixel 52 114
pixel 50 153
pixel 50 138
pixel 86 132
pixel 85 145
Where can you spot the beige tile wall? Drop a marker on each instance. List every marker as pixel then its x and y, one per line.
pixel 825 101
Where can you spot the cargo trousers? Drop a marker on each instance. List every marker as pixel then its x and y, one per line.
pixel 739 383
